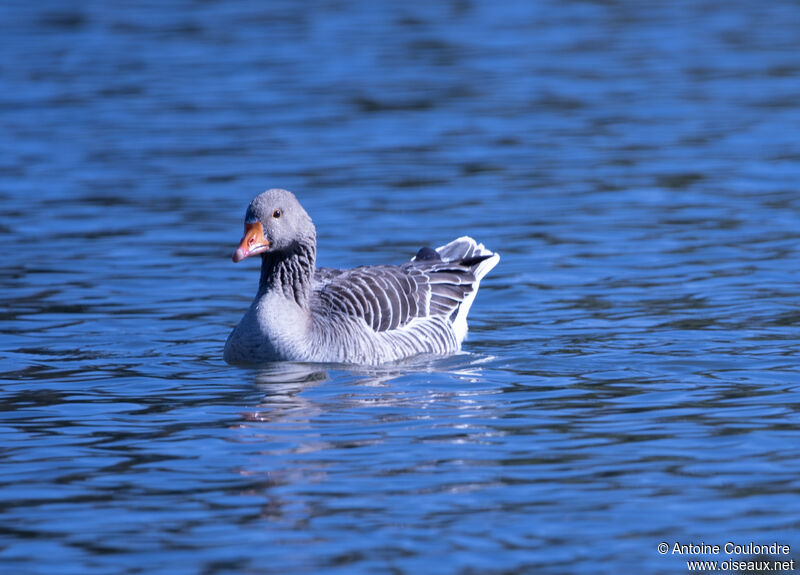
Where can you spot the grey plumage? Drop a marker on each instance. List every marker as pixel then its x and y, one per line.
pixel 366 315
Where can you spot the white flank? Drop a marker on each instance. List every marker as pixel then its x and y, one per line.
pixel 466 247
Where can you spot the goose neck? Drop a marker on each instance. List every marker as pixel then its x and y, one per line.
pixel 289 272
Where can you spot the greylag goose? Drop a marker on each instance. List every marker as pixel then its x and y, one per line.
pixel 364 315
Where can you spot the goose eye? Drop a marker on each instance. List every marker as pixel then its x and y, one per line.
pixel 276 214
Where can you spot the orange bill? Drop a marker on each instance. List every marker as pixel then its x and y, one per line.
pixel 253 242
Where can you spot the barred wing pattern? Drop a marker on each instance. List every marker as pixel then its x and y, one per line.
pixel 390 297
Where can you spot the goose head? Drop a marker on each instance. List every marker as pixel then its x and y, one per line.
pixel 275 222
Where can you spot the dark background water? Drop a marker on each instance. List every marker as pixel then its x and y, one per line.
pixel 631 375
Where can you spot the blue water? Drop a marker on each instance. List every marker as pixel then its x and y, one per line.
pixel 631 375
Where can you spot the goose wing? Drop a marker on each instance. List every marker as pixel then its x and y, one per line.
pixel 389 297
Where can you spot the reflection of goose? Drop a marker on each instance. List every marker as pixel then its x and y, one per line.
pixel 283 382
pixel 303 433
pixel 367 315
pixel 290 375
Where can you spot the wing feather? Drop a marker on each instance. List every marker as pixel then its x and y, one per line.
pixel 389 297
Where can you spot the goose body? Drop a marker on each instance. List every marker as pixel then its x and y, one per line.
pixel 363 315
